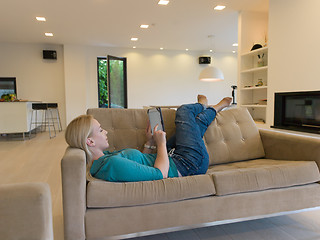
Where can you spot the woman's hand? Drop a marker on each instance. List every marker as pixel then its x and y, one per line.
pixel 159 136
pixel 162 160
pixel 149 136
pixel 149 140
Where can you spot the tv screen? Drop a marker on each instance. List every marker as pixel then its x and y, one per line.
pixel 303 110
pixel 8 85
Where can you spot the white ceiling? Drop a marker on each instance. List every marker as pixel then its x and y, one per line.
pixel 179 25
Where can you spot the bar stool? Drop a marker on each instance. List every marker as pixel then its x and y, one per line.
pixel 46 118
pixel 54 106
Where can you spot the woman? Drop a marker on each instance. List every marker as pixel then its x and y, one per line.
pixel 187 151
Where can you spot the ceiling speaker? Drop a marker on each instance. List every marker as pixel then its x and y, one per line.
pixel 49 54
pixel 204 60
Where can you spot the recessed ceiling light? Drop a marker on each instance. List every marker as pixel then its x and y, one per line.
pixel 134 47
pixel 219 7
pixel 41 19
pixel 134 39
pixel 163 2
pixel 211 50
pixel 233 51
pixel 235 45
pixel 144 26
pixel 161 48
pixel 48 34
pixel 187 49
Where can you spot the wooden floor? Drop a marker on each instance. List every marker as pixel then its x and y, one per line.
pixel 38 160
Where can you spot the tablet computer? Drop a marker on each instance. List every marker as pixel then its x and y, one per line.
pixel 155 117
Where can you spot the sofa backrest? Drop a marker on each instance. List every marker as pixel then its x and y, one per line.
pixel 233 135
pixel 127 127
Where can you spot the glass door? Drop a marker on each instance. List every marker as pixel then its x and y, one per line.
pixel 117 81
pixel 112 82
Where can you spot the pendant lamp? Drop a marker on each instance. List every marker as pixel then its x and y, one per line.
pixel 211 73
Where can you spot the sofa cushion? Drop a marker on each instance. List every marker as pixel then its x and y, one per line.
pixel 233 136
pixel 127 127
pixel 110 194
pixel 261 174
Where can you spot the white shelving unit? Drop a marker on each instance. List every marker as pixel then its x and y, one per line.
pixel 253 82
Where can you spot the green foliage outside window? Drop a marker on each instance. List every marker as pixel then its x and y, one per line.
pixel 103 83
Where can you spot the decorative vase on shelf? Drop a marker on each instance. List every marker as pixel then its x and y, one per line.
pixel 260 83
pixel 260 62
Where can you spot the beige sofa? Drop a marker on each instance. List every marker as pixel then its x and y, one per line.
pixel 253 173
pixel 25 211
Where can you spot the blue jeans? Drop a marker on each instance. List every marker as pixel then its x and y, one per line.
pixel 190 154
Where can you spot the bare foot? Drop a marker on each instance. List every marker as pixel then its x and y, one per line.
pixel 202 99
pixel 225 102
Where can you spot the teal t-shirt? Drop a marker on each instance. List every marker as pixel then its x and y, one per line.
pixel 129 165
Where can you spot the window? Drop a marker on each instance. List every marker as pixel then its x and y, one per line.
pixel 112 82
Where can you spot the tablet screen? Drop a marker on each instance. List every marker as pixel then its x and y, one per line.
pixel 155 117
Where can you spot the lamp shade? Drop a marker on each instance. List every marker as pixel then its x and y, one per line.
pixel 211 74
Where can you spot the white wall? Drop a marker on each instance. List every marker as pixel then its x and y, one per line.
pixel 154 77
pixel 37 79
pixel 252 29
pixel 293 47
pixel 76 67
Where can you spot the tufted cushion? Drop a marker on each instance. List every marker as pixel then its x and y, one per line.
pixel 233 136
pixel 126 127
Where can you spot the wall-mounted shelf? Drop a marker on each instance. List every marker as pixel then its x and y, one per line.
pixel 253 88
pixel 263 50
pixel 255 69
pixel 254 105
pixel 253 82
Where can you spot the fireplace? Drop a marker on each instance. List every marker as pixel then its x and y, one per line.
pixel 299 111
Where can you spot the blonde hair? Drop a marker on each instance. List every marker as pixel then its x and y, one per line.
pixel 77 132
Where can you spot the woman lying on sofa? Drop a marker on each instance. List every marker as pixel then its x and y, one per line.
pixel 184 154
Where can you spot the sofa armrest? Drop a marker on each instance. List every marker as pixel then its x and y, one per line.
pixel 26 211
pixel 286 146
pixel 73 173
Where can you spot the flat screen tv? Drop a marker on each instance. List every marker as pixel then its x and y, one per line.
pixel 298 111
pixel 8 85
pixel 302 110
